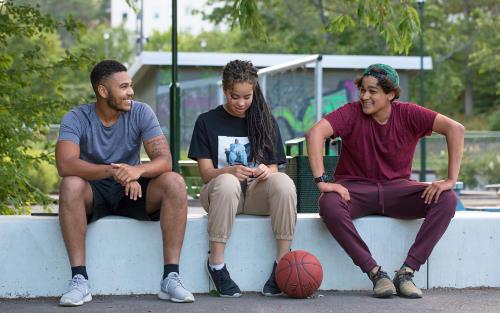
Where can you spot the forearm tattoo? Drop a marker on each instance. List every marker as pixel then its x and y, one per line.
pixel 158 147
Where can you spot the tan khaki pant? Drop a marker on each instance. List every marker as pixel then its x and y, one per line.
pixel 223 198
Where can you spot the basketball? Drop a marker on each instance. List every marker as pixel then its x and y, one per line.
pixel 299 274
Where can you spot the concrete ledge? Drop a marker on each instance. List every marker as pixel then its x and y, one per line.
pixel 124 256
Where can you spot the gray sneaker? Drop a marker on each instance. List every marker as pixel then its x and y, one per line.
pixel 173 289
pixel 78 292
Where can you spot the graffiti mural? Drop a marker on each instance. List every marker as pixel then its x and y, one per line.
pixel 292 104
pixel 294 122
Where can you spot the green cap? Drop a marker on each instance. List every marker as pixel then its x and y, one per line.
pixel 384 70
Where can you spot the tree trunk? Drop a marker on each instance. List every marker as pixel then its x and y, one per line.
pixel 324 20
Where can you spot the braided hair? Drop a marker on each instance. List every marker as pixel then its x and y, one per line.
pixel 260 122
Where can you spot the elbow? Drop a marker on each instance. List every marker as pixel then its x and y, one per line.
pixel 61 170
pixel 314 135
pixel 310 135
pixel 459 129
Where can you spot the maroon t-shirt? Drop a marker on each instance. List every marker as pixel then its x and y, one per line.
pixel 375 152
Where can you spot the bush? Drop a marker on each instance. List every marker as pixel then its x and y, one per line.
pixel 32 96
pixel 495 120
pixel 44 177
pixel 477 169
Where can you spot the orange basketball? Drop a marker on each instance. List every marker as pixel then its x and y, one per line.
pixel 299 274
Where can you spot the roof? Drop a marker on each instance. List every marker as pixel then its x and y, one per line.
pixel 149 58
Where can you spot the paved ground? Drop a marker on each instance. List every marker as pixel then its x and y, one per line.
pixel 434 301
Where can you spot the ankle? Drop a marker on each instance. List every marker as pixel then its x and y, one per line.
pixel 405 268
pixel 374 270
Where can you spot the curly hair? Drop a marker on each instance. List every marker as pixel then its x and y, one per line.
pixel 386 84
pixel 260 122
pixel 103 70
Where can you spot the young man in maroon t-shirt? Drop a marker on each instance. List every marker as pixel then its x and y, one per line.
pixel 379 135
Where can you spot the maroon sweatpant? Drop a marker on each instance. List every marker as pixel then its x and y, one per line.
pixel 397 198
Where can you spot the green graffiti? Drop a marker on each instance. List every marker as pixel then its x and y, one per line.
pixel 298 123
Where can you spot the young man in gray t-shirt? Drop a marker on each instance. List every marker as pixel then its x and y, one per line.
pixel 98 158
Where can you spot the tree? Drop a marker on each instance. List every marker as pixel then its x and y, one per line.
pixel 398 24
pixel 463 42
pixel 32 96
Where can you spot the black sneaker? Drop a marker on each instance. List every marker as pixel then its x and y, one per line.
pixel 225 286
pixel 271 288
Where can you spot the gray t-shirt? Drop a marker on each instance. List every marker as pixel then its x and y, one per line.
pixel 120 143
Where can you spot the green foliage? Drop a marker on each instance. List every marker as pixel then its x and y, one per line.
pixel 32 96
pixel 494 120
pixel 398 24
pixel 477 169
pixel 205 41
pixel 43 175
pixel 463 42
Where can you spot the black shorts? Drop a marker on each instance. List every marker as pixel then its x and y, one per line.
pixel 109 199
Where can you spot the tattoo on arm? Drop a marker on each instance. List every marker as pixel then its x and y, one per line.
pixel 157 147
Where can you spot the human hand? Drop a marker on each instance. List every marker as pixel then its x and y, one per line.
pixel 126 173
pixel 333 187
pixel 261 172
pixel 241 172
pixel 134 190
pixel 434 190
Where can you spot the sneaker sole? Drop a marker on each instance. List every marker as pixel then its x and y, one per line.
pixel 86 299
pixel 267 294
pixel 165 296
pixel 410 296
pixel 236 295
pixel 387 294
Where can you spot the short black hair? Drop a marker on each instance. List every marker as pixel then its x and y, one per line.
pixel 103 70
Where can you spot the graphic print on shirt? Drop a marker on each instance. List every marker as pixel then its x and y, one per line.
pixel 233 150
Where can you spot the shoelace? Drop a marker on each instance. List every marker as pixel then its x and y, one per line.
pixel 221 276
pixel 379 275
pixel 75 283
pixel 178 281
pixel 406 276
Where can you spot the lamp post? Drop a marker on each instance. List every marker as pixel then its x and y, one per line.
pixel 106 36
pixel 423 167
pixel 175 116
pixel 423 156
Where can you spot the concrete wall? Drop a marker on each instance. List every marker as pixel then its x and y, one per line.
pixel 124 256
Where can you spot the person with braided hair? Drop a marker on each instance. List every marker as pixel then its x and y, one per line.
pixel 234 186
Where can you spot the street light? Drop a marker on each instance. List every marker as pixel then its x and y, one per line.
pixel 423 165
pixel 175 91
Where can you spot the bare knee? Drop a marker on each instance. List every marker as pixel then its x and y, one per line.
pixel 74 193
pixel 173 184
pixel 72 187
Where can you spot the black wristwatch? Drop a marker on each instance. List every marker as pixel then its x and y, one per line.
pixel 322 179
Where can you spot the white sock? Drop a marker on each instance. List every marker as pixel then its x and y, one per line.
pixel 216 267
